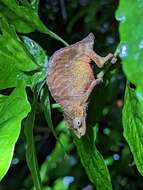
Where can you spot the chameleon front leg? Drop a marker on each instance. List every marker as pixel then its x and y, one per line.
pixel 101 61
pixel 92 85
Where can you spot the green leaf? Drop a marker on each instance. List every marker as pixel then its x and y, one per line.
pixel 14 59
pixel 34 4
pixel 133 126
pixel 60 185
pixel 2 100
pixel 36 51
pixel 41 59
pixel 129 14
pixel 30 151
pixel 47 110
pixel 25 17
pixel 93 161
pixel 13 110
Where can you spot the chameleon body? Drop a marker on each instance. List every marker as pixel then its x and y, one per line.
pixel 71 80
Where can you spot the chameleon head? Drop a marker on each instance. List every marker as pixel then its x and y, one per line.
pixel 76 120
pixel 79 126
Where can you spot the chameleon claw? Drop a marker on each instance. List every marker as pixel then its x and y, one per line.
pixel 113 60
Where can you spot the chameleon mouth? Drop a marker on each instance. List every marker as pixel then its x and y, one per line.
pixel 79 132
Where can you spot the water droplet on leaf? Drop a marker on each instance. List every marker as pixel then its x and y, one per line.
pixel 123 50
pixel 141 44
pixel 32 47
pixel 31 44
pixel 121 18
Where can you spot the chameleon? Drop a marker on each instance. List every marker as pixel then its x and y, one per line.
pixel 70 79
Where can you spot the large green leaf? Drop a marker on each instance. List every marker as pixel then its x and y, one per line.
pixel 24 16
pixel 129 14
pixel 38 79
pixel 2 100
pixel 133 126
pixel 13 109
pixel 14 58
pixel 30 151
pixel 93 161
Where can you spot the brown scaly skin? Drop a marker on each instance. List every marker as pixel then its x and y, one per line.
pixel 71 80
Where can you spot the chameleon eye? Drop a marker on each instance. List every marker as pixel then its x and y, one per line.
pixel 77 122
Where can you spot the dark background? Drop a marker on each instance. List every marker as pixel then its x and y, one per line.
pixel 73 20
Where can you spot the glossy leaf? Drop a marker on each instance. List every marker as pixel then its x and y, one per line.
pixel 13 110
pixel 129 14
pixel 2 100
pixel 14 59
pixel 30 149
pixel 36 51
pixel 93 161
pixel 25 17
pixel 133 126
pixel 34 4
pixel 40 58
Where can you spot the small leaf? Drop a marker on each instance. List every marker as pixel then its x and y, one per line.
pixel 133 126
pixel 13 110
pixel 36 51
pixel 41 59
pixel 30 151
pixel 93 161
